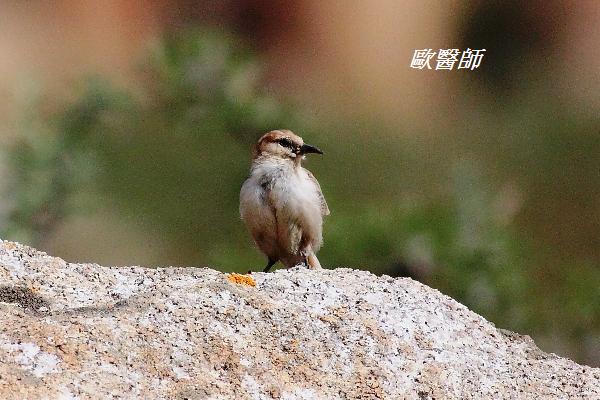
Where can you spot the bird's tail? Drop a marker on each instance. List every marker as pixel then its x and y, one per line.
pixel 313 261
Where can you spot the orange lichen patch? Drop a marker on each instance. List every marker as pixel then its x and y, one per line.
pixel 34 289
pixel 241 279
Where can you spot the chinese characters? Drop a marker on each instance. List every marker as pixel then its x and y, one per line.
pixel 447 58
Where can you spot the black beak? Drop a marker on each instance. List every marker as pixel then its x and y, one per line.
pixel 307 148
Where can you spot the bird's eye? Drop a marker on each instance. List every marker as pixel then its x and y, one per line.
pixel 285 142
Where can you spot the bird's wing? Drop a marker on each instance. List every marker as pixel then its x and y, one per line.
pixel 259 216
pixel 324 206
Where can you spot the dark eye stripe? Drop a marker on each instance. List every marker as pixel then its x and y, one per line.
pixel 285 142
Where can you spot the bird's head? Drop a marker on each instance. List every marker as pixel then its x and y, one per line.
pixel 285 144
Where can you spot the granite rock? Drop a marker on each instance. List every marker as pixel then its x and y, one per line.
pixel 80 331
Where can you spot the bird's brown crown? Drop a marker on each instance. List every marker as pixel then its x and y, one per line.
pixel 280 142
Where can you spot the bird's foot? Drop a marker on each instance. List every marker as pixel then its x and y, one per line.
pixel 269 265
pixel 303 264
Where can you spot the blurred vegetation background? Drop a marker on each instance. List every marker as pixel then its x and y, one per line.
pixel 130 147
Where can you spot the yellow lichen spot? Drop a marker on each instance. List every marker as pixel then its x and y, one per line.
pixel 34 289
pixel 241 279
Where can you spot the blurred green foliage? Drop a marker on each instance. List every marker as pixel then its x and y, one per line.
pixel 171 153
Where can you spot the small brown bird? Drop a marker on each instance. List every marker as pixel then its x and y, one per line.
pixel 281 202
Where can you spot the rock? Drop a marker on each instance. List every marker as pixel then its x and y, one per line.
pixel 85 331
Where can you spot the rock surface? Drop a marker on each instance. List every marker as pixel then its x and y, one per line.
pixel 84 331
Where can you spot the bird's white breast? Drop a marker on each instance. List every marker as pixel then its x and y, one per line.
pixel 288 190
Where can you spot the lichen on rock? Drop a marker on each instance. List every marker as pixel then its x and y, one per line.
pixel 87 331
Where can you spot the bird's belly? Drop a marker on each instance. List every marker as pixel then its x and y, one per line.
pixel 298 216
pixel 283 215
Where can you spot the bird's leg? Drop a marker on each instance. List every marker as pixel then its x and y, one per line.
pixel 313 262
pixel 269 265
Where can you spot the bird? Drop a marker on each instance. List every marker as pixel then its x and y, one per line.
pixel 281 202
